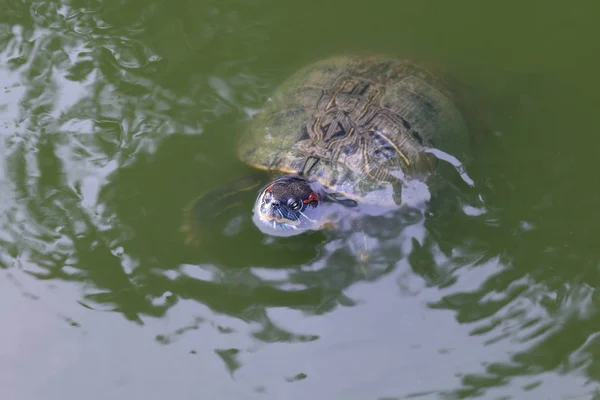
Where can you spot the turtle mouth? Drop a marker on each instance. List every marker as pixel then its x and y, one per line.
pixel 275 221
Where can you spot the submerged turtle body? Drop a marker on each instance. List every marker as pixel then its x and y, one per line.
pixel 362 126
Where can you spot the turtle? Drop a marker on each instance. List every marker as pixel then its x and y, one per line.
pixel 345 134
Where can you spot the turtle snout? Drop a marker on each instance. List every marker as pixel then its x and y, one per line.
pixel 272 208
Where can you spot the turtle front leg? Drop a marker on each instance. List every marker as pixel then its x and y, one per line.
pixel 202 217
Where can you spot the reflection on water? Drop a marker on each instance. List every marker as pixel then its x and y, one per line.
pixel 115 115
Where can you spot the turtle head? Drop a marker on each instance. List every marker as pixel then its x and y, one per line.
pixel 288 206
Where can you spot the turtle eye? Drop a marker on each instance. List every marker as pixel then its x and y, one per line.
pixel 294 204
pixel 267 196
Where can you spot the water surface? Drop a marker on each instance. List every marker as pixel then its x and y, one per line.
pixel 114 115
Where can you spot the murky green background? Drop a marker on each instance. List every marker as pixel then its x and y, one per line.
pixel 115 114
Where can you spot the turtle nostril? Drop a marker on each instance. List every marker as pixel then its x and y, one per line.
pixel 275 204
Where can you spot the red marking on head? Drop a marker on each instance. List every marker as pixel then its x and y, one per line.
pixel 313 197
pixel 268 189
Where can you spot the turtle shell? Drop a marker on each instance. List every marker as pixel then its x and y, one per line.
pixel 357 125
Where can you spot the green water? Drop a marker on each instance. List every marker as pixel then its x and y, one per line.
pixel 114 115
